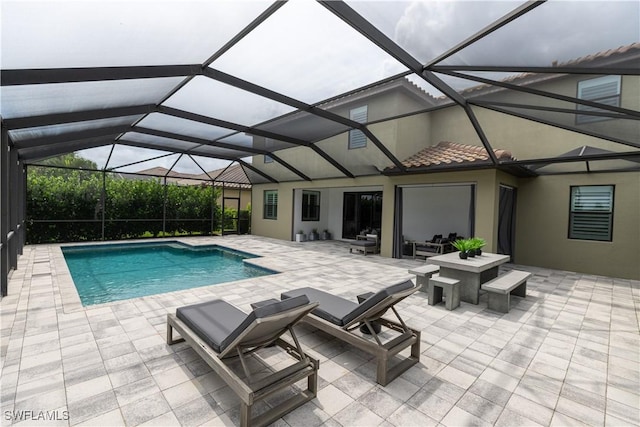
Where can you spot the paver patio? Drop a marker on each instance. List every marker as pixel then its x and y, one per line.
pixel 568 354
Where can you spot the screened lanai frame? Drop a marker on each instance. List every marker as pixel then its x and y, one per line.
pixel 237 81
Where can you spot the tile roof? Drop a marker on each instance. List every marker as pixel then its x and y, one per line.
pixel 627 52
pixel 610 54
pixel 452 153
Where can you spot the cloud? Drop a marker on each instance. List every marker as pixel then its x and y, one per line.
pixel 559 30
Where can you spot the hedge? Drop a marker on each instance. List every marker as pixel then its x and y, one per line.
pixel 132 208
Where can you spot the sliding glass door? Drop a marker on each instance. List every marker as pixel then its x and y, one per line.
pixel 361 211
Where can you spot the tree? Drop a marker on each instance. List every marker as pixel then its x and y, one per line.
pixel 70 160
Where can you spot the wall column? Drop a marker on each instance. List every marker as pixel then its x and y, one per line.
pixel 4 210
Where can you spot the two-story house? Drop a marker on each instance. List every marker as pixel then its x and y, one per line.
pixel 427 171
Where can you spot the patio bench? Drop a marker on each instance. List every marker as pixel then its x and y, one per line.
pixel 502 287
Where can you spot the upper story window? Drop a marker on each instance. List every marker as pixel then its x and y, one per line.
pixel 270 204
pixel 310 205
pixel 604 90
pixel 357 139
pixel 591 216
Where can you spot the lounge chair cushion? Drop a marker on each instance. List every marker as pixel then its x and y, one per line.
pixel 219 323
pixel 341 311
pixel 332 308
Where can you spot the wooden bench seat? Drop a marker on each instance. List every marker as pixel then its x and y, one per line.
pixel 502 287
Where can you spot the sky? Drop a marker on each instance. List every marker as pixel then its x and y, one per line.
pixel 302 51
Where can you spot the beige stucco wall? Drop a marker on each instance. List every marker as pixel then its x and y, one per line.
pixel 282 227
pixel 542 216
pixel 486 202
pixel 525 139
pixel 543 220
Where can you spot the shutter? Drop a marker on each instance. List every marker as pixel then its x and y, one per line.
pixel 591 213
pixel 270 204
pixel 357 139
pixel 604 90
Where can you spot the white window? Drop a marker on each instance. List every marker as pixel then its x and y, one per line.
pixel 591 216
pixel 357 139
pixel 604 90
pixel 270 204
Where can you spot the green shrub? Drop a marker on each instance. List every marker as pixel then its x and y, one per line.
pixel 70 203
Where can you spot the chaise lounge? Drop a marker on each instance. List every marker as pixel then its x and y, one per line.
pixel 220 332
pixel 341 318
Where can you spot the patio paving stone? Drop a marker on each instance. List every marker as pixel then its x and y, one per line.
pixel 569 353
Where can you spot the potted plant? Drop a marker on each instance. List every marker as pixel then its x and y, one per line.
pixel 477 244
pixel 314 234
pixel 300 236
pixel 326 235
pixel 462 245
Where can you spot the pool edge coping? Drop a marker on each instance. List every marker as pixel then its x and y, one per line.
pixel 70 299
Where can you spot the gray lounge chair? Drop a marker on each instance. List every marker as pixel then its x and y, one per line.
pixel 219 331
pixel 341 318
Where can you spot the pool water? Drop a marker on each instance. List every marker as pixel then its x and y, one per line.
pixel 104 273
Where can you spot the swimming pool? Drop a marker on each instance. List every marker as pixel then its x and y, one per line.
pixel 113 272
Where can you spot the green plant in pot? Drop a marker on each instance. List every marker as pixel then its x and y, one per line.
pixel 314 234
pixel 463 246
pixel 477 244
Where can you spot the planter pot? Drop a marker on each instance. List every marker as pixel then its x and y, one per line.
pixel 326 235
pixel 463 255
pixel 313 236
pixel 300 237
pixel 478 252
pixel 471 253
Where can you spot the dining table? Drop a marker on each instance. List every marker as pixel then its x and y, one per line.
pixel 472 272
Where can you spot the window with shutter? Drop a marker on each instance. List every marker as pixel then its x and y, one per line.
pixel 591 216
pixel 270 204
pixel 605 90
pixel 357 139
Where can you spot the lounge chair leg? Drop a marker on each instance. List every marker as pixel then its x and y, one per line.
pixel 245 414
pixel 170 339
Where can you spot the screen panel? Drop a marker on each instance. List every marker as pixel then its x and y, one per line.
pixel 428 29
pixel 116 33
pixel 217 100
pixel 35 100
pixel 307 53
pixel 579 24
